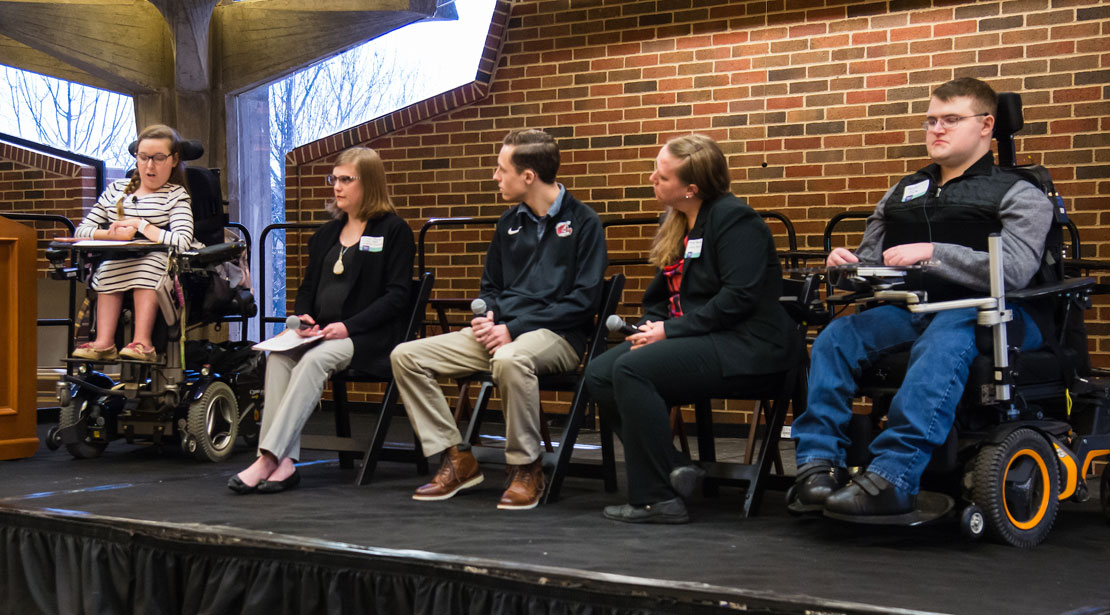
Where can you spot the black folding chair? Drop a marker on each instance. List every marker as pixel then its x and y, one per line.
pixel 558 458
pixel 374 449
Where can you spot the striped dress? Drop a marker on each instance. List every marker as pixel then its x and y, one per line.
pixel 169 209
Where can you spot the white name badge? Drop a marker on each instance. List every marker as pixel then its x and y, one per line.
pixel 371 244
pixel 915 190
pixel 693 248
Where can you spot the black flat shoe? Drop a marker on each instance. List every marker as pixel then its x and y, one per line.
pixel 670 512
pixel 277 486
pixel 684 479
pixel 238 486
pixel 869 495
pixel 816 481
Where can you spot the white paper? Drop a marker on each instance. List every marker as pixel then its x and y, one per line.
pixel 111 243
pixel 286 340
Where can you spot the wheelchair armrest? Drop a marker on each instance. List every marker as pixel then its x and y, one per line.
pixel 217 253
pixel 1063 287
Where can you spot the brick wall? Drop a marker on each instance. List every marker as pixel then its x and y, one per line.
pixel 817 104
pixel 32 182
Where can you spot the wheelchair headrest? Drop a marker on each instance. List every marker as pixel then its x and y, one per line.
pixel 1008 121
pixel 191 149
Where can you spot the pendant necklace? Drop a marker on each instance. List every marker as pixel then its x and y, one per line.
pixel 337 269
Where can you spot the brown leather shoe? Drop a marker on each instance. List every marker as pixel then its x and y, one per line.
pixel 526 485
pixel 459 471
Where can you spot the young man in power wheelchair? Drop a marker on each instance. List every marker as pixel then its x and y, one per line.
pixel 1011 435
pixel 202 394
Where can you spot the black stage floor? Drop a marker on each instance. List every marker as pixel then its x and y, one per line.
pixel 785 564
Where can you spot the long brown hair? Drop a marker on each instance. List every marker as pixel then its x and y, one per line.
pixel 371 174
pixel 177 175
pixel 703 165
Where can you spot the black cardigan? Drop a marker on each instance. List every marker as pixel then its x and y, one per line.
pixel 375 313
pixel 731 292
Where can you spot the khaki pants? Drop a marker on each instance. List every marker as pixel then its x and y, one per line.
pixel 294 381
pixel 515 368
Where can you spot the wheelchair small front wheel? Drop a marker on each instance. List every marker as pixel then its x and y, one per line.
pixel 214 422
pixel 972 523
pixel 72 413
pixel 1017 484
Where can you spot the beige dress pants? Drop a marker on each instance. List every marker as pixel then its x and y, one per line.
pixel 515 368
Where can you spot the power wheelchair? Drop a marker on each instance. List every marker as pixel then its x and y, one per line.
pixel 1029 424
pixel 201 394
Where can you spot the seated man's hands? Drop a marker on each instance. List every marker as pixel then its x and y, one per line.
pixel 488 334
pixel 907 254
pixel 335 331
pixel 840 256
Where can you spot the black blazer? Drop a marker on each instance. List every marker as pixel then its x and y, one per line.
pixel 376 312
pixel 730 292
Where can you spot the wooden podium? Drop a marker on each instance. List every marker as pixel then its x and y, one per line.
pixel 18 335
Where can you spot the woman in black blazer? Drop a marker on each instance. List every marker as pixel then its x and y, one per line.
pixel 355 293
pixel 712 324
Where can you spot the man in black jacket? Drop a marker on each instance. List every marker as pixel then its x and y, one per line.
pixel 942 214
pixel 541 284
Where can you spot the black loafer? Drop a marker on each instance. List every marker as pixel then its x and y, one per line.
pixel 277 486
pixel 684 479
pixel 670 512
pixel 816 481
pixel 870 495
pixel 238 486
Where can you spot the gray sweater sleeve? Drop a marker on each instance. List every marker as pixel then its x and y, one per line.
pixel 870 248
pixel 1026 216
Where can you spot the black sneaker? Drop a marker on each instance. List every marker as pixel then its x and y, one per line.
pixel 671 511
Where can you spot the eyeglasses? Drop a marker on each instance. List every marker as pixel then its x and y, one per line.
pixel 159 158
pixel 340 179
pixel 947 122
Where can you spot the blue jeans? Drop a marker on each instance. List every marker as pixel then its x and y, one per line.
pixel 942 347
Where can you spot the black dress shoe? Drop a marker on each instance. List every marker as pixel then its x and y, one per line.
pixel 870 495
pixel 816 481
pixel 238 486
pixel 684 479
pixel 671 511
pixel 277 486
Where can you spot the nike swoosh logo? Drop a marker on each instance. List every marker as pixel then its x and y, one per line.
pixel 514 231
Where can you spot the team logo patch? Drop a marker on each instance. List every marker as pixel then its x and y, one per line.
pixel 563 229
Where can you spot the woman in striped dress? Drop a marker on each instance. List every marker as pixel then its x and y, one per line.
pixel 154 205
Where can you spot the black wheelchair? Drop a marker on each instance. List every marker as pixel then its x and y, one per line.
pixel 202 395
pixel 1029 424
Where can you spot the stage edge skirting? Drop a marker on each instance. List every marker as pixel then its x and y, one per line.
pixel 74 563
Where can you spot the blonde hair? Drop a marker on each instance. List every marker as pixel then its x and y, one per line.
pixel 177 175
pixel 371 174
pixel 703 165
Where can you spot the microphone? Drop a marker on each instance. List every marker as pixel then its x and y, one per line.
pixel 293 322
pixel 134 200
pixel 478 306
pixel 616 324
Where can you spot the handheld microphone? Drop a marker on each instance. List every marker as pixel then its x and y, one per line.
pixel 478 306
pixel 616 324
pixel 294 323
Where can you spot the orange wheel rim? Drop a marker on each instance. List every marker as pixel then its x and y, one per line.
pixel 1043 507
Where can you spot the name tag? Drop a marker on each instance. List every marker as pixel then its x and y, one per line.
pixel 915 190
pixel 371 244
pixel 693 248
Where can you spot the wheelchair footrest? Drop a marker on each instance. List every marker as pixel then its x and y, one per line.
pixel 930 507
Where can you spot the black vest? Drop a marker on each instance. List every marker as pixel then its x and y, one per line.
pixel 963 212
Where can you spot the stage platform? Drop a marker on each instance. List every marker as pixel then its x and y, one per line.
pixel 152 531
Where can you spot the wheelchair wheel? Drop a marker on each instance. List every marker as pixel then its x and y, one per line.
pixel 1104 492
pixel 70 414
pixel 1016 483
pixel 214 423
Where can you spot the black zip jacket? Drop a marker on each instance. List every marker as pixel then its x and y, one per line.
pixel 553 283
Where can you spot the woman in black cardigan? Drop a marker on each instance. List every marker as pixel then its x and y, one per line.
pixel 712 324
pixel 355 293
